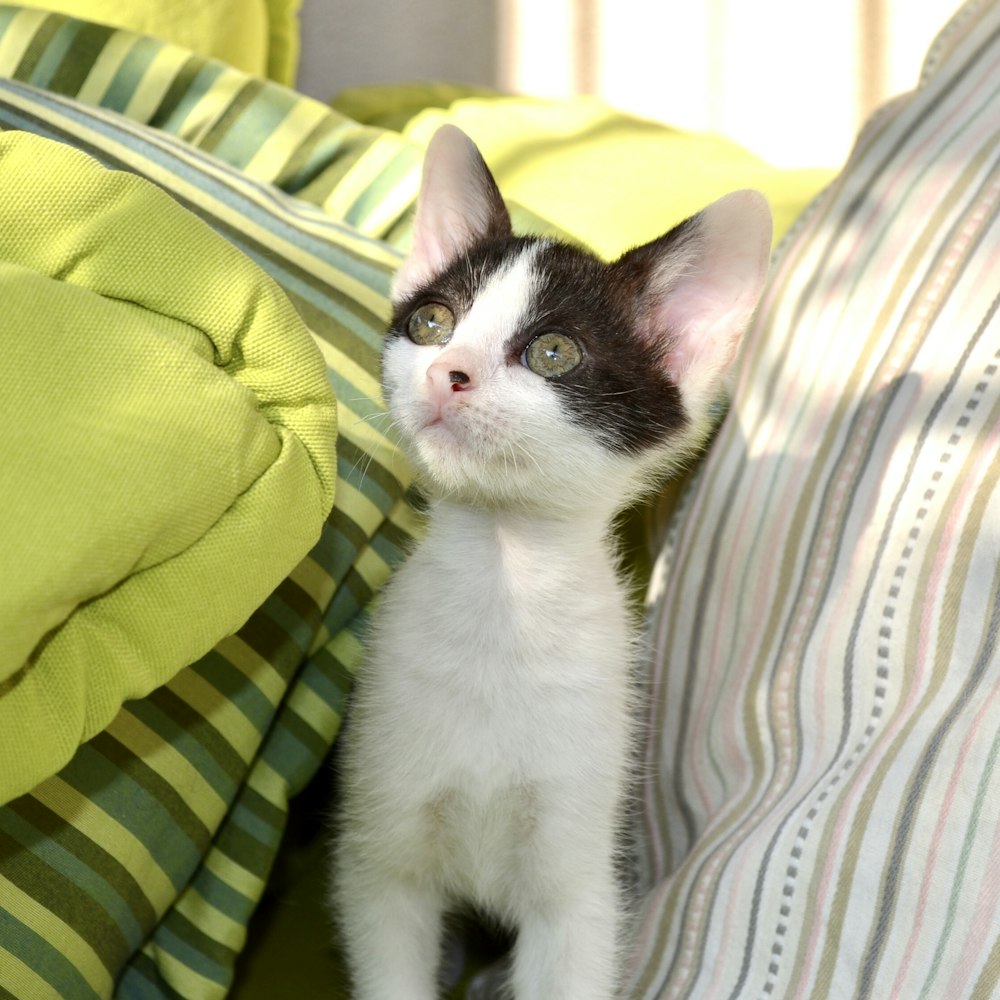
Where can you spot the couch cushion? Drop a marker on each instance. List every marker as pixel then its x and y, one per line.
pixel 365 176
pixel 823 799
pixel 255 36
pixel 564 159
pixel 161 400
pixel 136 868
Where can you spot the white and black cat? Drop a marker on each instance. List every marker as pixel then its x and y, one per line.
pixel 537 391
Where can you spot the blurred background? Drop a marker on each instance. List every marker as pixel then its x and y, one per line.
pixel 791 80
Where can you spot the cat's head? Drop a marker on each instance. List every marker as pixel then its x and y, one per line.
pixel 526 372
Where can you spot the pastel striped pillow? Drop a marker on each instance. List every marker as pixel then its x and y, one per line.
pixel 822 811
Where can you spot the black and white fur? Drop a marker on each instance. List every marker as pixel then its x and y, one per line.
pixel 488 749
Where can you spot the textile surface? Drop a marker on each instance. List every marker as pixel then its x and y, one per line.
pixel 822 807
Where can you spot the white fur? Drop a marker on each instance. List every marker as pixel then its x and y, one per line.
pixel 489 738
pixel 488 756
pixel 487 752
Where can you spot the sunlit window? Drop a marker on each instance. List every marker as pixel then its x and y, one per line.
pixel 790 79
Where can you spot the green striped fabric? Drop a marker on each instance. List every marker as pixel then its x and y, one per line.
pixel 133 872
pixel 822 816
pixel 361 175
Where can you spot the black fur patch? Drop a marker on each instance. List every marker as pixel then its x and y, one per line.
pixel 459 285
pixel 621 390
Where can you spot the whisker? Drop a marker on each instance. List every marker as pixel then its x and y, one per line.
pixel 527 451
pixel 395 429
pixel 618 392
pixel 364 418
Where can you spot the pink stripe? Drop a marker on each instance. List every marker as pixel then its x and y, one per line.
pixel 757 603
pixel 714 658
pixel 784 681
pixel 751 644
pixel 792 654
pixel 655 835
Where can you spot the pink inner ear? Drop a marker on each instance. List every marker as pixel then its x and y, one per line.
pixel 708 289
pixel 707 323
pixel 458 205
pixel 677 361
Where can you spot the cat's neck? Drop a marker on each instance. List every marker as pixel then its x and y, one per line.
pixel 538 534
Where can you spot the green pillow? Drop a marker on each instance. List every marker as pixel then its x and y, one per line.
pixel 162 403
pixel 135 869
pixel 608 178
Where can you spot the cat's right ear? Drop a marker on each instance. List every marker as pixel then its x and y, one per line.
pixel 700 284
pixel 458 206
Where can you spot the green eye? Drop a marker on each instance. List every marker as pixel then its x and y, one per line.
pixel 431 324
pixel 552 354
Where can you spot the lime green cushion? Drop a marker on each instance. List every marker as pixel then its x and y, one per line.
pixel 608 178
pixel 168 458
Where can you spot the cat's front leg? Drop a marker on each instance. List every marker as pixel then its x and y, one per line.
pixel 391 930
pixel 569 949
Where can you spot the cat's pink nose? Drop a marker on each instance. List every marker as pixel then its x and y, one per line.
pixel 444 377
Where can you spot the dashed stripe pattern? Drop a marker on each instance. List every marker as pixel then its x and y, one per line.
pixel 822 807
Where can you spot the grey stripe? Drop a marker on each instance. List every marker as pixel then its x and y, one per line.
pixel 698 624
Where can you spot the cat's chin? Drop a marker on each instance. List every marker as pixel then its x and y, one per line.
pixel 450 466
pixel 440 450
pixel 437 440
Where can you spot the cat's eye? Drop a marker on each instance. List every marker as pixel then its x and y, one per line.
pixel 432 323
pixel 552 354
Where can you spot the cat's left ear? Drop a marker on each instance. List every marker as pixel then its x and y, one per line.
pixel 700 284
pixel 458 206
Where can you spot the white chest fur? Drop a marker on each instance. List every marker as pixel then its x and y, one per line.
pixel 499 663
pixel 488 750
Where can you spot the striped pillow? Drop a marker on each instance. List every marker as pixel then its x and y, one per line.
pixel 134 870
pixel 361 175
pixel 822 810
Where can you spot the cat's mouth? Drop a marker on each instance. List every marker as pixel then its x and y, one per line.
pixel 435 422
pixel 438 429
pixel 446 434
pixel 441 418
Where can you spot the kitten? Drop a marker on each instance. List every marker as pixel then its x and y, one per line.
pixel 537 390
